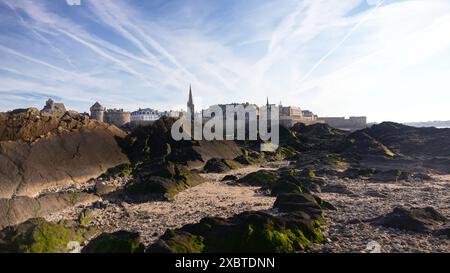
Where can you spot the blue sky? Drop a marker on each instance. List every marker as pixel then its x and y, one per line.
pixel 389 60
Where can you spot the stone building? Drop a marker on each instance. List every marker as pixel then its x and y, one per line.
pixel 98 112
pixel 53 108
pixel 290 115
pixel 350 124
pixel 118 117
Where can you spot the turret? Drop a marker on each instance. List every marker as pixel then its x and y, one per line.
pixel 97 112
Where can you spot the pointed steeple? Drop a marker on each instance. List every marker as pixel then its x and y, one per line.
pixel 267 100
pixel 190 103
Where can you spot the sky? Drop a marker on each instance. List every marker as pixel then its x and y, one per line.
pixel 387 60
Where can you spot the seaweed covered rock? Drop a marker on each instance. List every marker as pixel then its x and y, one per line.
pixel 337 188
pixel 216 165
pixel 362 144
pixel 229 178
pixel 249 232
pixel 399 175
pixel 155 142
pixel 262 178
pixel 414 219
pixel 292 202
pixel 161 181
pixel 393 175
pixel 39 236
pixel 117 242
pixel 317 137
pixel 284 180
pixel 250 157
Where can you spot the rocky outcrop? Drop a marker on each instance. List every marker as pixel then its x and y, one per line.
pixel 38 152
pixel 249 232
pixel 19 209
pixel 117 242
pixel 412 141
pixel 160 181
pixel 215 165
pixel 155 142
pixel 413 219
pixel 285 180
pixel 39 236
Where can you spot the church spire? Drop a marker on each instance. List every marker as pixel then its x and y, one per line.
pixel 190 103
pixel 267 100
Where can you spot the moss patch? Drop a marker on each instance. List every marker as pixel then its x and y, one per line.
pixel 39 236
pixel 117 242
pixel 249 232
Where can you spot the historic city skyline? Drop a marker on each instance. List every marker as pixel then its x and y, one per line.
pixel 340 58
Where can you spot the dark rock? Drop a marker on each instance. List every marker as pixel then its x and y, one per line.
pixel 249 232
pixel 216 165
pixel 35 155
pixel 155 142
pixel 414 219
pixel 39 236
pixel 19 209
pixel 358 173
pixel 102 188
pixel 291 202
pixel 399 175
pixel 336 188
pixel 260 178
pixel 161 182
pixel 117 242
pixel 377 194
pixel 230 178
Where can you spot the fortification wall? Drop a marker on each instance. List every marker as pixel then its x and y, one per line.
pixel 117 118
pixel 352 123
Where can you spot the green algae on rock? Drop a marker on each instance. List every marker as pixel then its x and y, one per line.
pixel 249 232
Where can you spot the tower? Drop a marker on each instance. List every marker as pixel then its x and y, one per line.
pixel 191 111
pixel 190 103
pixel 97 112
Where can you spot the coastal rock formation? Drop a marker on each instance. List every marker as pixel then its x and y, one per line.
pixel 39 151
pixel 285 180
pixel 155 142
pixel 19 209
pixel 249 232
pixel 117 242
pixel 39 236
pixel 414 219
pixel 160 181
pixel 215 165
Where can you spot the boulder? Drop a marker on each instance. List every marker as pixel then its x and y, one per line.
pixel 161 182
pixel 249 232
pixel 420 220
pixel 216 165
pixel 229 178
pixel 39 152
pixel 117 242
pixel 39 236
pixel 292 202
pixel 337 188
pixel 262 178
pixel 19 209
